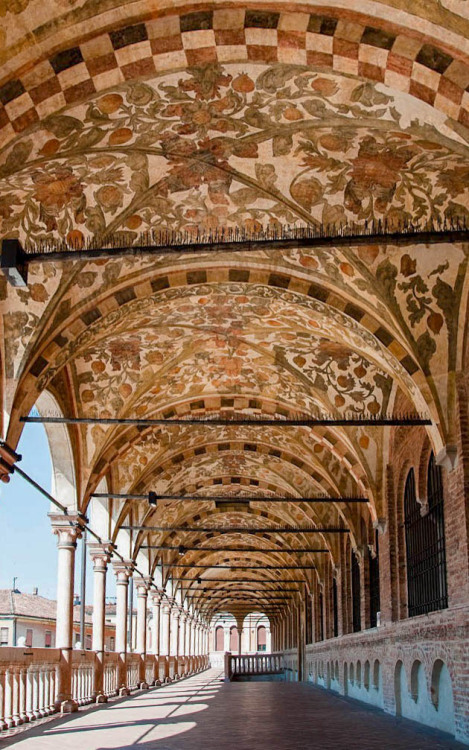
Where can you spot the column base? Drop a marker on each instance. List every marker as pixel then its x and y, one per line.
pixel 101 698
pixel 68 707
pixel 157 683
pixel 124 691
pixel 144 686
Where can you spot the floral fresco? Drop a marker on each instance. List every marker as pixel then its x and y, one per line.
pixel 231 146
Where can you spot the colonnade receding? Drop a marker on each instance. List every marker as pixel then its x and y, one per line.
pixel 37 682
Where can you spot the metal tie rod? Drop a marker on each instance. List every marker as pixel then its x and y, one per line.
pixel 269 529
pixel 153 497
pixel 183 549
pixel 242 567
pixel 339 421
pixel 243 591
pixel 237 580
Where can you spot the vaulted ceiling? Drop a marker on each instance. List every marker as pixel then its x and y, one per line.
pixel 143 117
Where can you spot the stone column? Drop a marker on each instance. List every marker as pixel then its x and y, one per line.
pixel 155 623
pixel 155 633
pixel 123 570
pixel 193 651
pixel 143 585
pixel 165 636
pixel 174 641
pixel 226 638
pixel 187 645
pixel 100 555
pixel 68 529
pixel 176 613
pixel 182 633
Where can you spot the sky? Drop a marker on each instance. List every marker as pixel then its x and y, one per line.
pixel 28 549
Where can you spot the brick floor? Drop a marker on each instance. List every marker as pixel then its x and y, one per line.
pixel 202 713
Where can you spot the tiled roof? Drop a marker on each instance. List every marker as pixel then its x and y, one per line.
pixel 33 605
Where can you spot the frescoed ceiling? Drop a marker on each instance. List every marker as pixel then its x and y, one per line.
pixel 127 119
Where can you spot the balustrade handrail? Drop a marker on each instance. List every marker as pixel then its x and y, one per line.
pixel 30 677
pixel 253 664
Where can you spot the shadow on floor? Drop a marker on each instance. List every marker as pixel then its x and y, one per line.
pixel 245 716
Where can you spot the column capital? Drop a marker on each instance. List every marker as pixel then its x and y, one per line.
pixel 143 585
pixel 100 553
pixel 381 525
pixel 167 605
pixel 123 570
pixel 8 458
pixel 448 457
pixel 68 527
pixel 359 551
pixel 156 597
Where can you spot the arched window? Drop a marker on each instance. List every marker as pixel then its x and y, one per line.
pixel 261 638
pixel 425 545
pixel 219 639
pixel 437 549
pixel 356 593
pixel 375 604
pixel 234 638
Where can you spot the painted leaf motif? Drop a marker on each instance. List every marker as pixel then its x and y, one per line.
pixel 426 348
pixel 266 175
pixel 62 125
pixel 17 157
pixel 282 145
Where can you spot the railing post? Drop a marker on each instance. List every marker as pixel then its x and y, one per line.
pixel 228 671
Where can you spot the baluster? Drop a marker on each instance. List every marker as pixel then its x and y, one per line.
pixel 35 674
pixel 22 685
pixel 36 693
pixel 16 699
pixel 2 700
pixel 29 695
pixel 9 698
pixel 52 690
pixel 42 702
pixel 45 690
